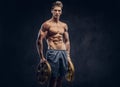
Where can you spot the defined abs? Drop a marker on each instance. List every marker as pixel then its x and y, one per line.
pixel 56 43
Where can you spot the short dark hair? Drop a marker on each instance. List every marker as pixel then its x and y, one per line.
pixel 57 3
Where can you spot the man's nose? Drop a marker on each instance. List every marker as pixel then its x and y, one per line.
pixel 57 12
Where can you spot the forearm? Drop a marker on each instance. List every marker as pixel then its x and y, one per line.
pixel 68 48
pixel 40 48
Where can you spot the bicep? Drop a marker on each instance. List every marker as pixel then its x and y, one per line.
pixel 66 36
pixel 42 33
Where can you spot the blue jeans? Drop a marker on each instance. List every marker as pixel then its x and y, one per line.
pixel 58 62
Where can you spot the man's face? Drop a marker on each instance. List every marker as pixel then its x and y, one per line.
pixel 56 12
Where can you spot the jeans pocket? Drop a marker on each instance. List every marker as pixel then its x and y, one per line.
pixel 50 54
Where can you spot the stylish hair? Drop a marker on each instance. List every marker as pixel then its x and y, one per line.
pixel 57 3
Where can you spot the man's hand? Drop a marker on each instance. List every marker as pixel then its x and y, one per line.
pixel 42 60
pixel 69 59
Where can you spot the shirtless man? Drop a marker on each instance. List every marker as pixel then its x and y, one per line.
pixel 56 35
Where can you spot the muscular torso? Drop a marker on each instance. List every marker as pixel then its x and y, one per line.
pixel 55 36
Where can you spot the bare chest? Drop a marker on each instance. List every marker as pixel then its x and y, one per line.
pixel 56 30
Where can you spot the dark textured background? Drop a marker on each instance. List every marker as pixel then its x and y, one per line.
pixel 94 34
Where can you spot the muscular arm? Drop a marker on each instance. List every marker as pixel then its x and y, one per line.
pixel 67 41
pixel 41 35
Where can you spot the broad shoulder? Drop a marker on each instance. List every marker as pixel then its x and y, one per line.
pixel 46 24
pixel 64 25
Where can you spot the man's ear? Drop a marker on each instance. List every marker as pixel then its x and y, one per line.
pixel 51 10
pixel 61 11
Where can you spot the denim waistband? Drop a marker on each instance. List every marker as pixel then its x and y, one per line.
pixel 55 50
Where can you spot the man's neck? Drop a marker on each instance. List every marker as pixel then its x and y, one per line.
pixel 56 20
